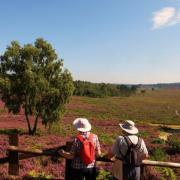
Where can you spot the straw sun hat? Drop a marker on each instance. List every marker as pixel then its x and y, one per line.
pixel 82 124
pixel 129 127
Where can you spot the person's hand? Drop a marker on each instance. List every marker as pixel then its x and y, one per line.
pixel 61 152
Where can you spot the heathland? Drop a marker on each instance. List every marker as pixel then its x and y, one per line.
pixel 155 112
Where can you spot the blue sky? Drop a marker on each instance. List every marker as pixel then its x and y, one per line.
pixel 111 41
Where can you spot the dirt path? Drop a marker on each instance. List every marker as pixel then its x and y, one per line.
pixel 164 135
pixel 164 125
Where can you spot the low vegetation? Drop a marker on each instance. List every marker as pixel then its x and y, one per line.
pixel 158 106
pixel 174 143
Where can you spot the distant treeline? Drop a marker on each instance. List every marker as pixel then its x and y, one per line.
pixel 161 86
pixel 83 88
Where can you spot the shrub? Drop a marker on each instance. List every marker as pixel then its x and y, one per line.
pixel 104 175
pixel 143 134
pixel 166 173
pixel 105 138
pixel 34 174
pixel 174 143
pixel 159 154
pixel 169 173
pixel 158 141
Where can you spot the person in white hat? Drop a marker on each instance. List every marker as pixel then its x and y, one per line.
pixel 121 148
pixel 81 167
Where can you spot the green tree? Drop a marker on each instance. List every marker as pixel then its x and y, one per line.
pixel 32 79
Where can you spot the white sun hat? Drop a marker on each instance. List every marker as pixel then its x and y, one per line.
pixel 82 124
pixel 129 127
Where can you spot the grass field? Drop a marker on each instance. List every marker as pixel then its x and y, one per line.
pixel 159 106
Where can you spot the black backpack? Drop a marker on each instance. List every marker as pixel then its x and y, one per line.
pixel 134 155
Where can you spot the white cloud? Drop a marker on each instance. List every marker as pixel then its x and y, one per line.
pixel 167 16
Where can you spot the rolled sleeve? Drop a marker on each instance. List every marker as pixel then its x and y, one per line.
pixel 145 151
pixel 97 144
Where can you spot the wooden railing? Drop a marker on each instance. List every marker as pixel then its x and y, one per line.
pixel 15 154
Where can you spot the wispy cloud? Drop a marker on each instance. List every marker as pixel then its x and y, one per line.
pixel 167 16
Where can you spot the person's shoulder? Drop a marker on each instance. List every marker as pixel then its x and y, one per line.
pixel 120 138
pixel 94 135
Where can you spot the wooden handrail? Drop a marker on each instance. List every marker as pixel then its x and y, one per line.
pixel 38 152
pixel 27 151
pixel 160 163
pixel 4 160
pixel 102 159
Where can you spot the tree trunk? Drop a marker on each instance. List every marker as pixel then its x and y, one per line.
pixel 29 125
pixel 35 124
pixel 27 117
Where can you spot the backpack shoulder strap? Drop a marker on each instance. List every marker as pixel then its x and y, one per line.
pixel 129 144
pixel 128 141
pixel 138 145
pixel 80 138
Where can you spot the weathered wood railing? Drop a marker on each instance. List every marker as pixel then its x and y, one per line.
pixel 15 154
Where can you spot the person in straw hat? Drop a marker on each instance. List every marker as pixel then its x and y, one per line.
pixel 121 148
pixel 81 167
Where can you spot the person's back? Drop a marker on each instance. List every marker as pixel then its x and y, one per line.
pixel 80 168
pixel 122 149
pixel 83 151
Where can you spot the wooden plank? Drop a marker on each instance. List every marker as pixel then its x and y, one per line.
pixel 162 164
pixel 104 159
pixel 13 156
pixel 147 163
pixel 4 160
pixel 26 153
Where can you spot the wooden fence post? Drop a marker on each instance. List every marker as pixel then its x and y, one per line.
pixel 143 173
pixel 68 169
pixel 13 156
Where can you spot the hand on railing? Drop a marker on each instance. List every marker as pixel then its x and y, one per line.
pixel 57 154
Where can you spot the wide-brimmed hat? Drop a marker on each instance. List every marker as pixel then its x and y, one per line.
pixel 129 127
pixel 82 124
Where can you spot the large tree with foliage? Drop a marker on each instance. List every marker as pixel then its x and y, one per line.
pixel 32 80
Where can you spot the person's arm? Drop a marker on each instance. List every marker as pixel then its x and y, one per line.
pixel 146 155
pixel 71 154
pixel 98 153
pixel 98 147
pixel 109 155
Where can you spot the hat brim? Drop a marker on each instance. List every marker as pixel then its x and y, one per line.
pixel 134 130
pixel 87 129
